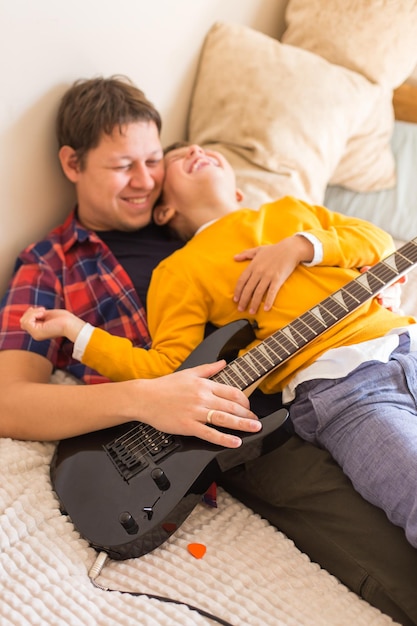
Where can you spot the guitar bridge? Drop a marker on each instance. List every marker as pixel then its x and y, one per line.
pixel 131 452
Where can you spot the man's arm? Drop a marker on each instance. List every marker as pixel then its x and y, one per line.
pixel 31 408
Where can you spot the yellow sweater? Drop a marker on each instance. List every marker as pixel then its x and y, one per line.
pixel 195 285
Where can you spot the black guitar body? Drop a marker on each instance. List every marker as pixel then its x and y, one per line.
pixel 128 488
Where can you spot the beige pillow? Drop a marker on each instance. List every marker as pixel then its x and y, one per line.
pixel 368 163
pixel 285 113
pixel 377 38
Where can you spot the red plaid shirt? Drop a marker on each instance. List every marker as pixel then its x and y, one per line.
pixel 72 269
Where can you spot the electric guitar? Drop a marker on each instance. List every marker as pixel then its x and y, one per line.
pixel 128 488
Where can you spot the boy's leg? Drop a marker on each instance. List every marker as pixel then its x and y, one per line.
pixel 300 489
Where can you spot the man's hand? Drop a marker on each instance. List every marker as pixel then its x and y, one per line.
pixel 187 402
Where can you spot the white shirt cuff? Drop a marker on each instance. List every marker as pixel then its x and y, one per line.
pixel 317 247
pixel 81 341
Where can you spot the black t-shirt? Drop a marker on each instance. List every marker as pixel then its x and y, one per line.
pixel 139 252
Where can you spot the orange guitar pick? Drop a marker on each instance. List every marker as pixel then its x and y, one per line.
pixel 198 550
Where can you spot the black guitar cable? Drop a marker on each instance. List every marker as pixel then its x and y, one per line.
pixel 98 565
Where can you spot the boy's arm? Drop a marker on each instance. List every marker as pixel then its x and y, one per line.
pixel 117 358
pixel 176 323
pixel 111 356
pixel 350 242
pixel 344 242
pixel 269 268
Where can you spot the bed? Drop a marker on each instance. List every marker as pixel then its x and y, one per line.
pixel 359 162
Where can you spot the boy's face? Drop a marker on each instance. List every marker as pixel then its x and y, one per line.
pixel 193 175
pixel 121 178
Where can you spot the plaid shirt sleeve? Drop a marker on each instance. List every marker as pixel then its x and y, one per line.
pixel 35 283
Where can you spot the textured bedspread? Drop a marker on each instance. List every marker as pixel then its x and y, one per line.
pixel 250 574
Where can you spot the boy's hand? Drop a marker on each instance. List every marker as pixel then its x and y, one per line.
pixel 43 323
pixel 270 267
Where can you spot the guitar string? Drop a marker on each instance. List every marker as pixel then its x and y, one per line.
pixel 136 447
pixel 150 437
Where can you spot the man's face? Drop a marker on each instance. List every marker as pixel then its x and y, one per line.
pixel 194 175
pixel 121 179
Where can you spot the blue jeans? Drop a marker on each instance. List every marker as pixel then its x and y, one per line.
pixel 368 423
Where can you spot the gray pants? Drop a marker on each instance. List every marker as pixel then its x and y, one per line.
pixel 368 422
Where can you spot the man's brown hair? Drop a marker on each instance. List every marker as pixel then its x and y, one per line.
pixel 93 107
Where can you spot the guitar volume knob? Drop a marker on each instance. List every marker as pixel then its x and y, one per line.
pixel 160 478
pixel 128 522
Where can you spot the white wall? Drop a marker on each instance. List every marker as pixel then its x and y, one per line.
pixel 46 45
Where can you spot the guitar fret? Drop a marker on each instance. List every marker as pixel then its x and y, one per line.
pixel 249 365
pixel 325 312
pixel 264 358
pixel 317 322
pixel 264 349
pixel 338 298
pixel 288 337
pixel 361 292
pixel 223 377
pixel 402 262
pixel 235 372
pixel 349 299
pixel 336 309
pixel 386 272
pixel 251 361
pixel 310 327
pixel 375 282
pixel 279 340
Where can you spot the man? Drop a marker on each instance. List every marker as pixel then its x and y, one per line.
pixel 297 487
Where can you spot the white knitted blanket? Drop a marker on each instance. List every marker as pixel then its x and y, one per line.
pixel 251 573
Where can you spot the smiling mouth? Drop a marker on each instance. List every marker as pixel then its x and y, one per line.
pixel 137 201
pixel 203 162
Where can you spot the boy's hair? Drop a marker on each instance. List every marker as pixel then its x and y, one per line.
pixel 93 107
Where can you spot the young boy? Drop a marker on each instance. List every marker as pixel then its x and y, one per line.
pixel 334 385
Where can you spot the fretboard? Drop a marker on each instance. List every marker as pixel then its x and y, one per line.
pixel 284 343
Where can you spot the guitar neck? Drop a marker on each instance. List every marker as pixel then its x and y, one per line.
pixel 284 343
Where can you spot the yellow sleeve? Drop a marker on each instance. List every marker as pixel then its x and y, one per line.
pixel 117 358
pixel 350 242
pixel 178 307
pixel 347 242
